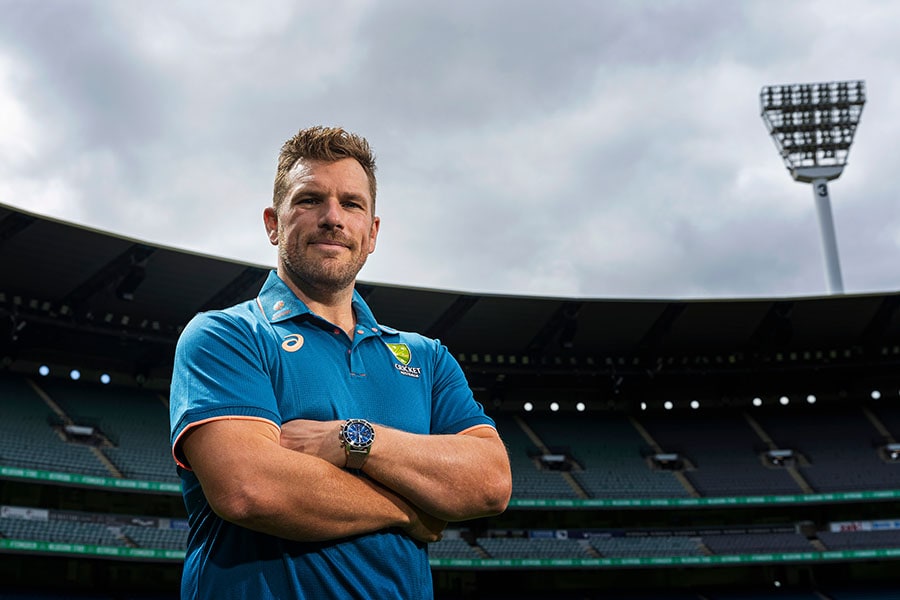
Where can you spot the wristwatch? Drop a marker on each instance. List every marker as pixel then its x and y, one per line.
pixel 356 438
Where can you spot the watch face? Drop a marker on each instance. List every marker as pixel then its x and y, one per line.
pixel 359 433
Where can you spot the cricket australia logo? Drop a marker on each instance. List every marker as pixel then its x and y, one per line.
pixel 403 355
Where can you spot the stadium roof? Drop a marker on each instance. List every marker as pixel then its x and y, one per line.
pixel 67 290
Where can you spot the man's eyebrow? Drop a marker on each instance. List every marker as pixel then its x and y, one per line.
pixel 355 196
pixel 309 189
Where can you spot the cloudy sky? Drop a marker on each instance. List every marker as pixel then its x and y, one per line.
pixel 596 149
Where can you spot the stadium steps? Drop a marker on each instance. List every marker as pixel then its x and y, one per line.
pixel 67 420
pixel 704 549
pixel 684 481
pixel 108 463
pixel 818 545
pixel 537 441
pixel 126 540
pixel 481 552
pixel 879 426
pixel 767 439
pixel 840 445
pixel 588 549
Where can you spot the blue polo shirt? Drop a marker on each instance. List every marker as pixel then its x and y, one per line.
pixel 271 358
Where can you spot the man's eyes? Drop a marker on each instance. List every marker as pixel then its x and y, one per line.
pixel 313 200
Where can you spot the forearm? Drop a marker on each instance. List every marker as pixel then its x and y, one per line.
pixel 311 500
pixel 453 477
pixel 250 480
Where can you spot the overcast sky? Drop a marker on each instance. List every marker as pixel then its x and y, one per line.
pixel 595 149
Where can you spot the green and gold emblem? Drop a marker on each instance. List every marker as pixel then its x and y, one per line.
pixel 400 352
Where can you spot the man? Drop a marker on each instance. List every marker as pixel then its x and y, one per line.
pixel 319 450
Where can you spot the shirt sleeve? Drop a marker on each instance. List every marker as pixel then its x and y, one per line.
pixel 454 408
pixel 220 371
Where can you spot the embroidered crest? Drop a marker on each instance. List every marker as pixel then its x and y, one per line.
pixel 401 352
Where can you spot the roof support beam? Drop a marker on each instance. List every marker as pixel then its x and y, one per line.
pixel 109 275
pixel 451 316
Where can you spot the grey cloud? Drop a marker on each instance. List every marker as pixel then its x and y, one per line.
pixel 580 147
pixel 86 77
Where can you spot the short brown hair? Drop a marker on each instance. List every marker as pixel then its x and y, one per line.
pixel 328 144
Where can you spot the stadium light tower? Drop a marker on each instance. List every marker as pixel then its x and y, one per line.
pixel 813 125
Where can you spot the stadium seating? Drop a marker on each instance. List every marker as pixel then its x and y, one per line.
pixel 841 447
pixel 610 457
pixel 517 547
pixel 97 532
pixel 147 537
pixel 755 543
pixel 610 461
pixel 452 547
pixel 28 439
pixel 724 451
pixel 59 532
pixel 860 540
pixel 137 422
pixel 646 546
pixel 889 416
pixel 528 480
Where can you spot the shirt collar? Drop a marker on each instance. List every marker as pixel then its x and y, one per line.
pixel 279 303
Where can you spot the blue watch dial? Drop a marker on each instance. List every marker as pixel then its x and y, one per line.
pixel 359 434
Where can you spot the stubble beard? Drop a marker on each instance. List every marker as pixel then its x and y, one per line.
pixel 328 276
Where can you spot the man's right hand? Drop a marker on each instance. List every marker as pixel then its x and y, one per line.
pixel 425 528
pixel 421 526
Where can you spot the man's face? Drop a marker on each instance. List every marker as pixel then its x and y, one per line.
pixel 324 227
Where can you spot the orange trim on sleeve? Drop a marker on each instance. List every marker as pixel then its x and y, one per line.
pixel 183 463
pixel 474 427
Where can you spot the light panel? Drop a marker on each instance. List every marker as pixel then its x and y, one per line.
pixel 813 124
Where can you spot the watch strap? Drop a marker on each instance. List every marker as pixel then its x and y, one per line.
pixel 356 450
pixel 355 458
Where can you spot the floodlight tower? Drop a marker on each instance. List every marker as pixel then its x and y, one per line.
pixel 813 126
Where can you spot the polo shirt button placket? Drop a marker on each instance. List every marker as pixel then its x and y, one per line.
pixel 356 366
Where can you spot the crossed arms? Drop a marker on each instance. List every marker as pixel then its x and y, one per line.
pixel 290 483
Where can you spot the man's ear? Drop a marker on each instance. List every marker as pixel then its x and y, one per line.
pixel 270 220
pixel 373 233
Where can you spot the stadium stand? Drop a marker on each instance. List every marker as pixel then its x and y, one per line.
pixel 515 547
pixel 59 532
pixel 860 540
pixel 28 438
pixel 146 537
pixel 646 546
pixel 757 543
pixel 135 421
pixel 600 486
pixel 609 455
pixel 529 481
pixel 453 547
pixel 840 446
pixel 888 414
pixel 724 453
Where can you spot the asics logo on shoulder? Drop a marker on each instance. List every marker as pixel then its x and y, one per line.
pixel 292 342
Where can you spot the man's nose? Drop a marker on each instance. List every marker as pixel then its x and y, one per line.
pixel 331 216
